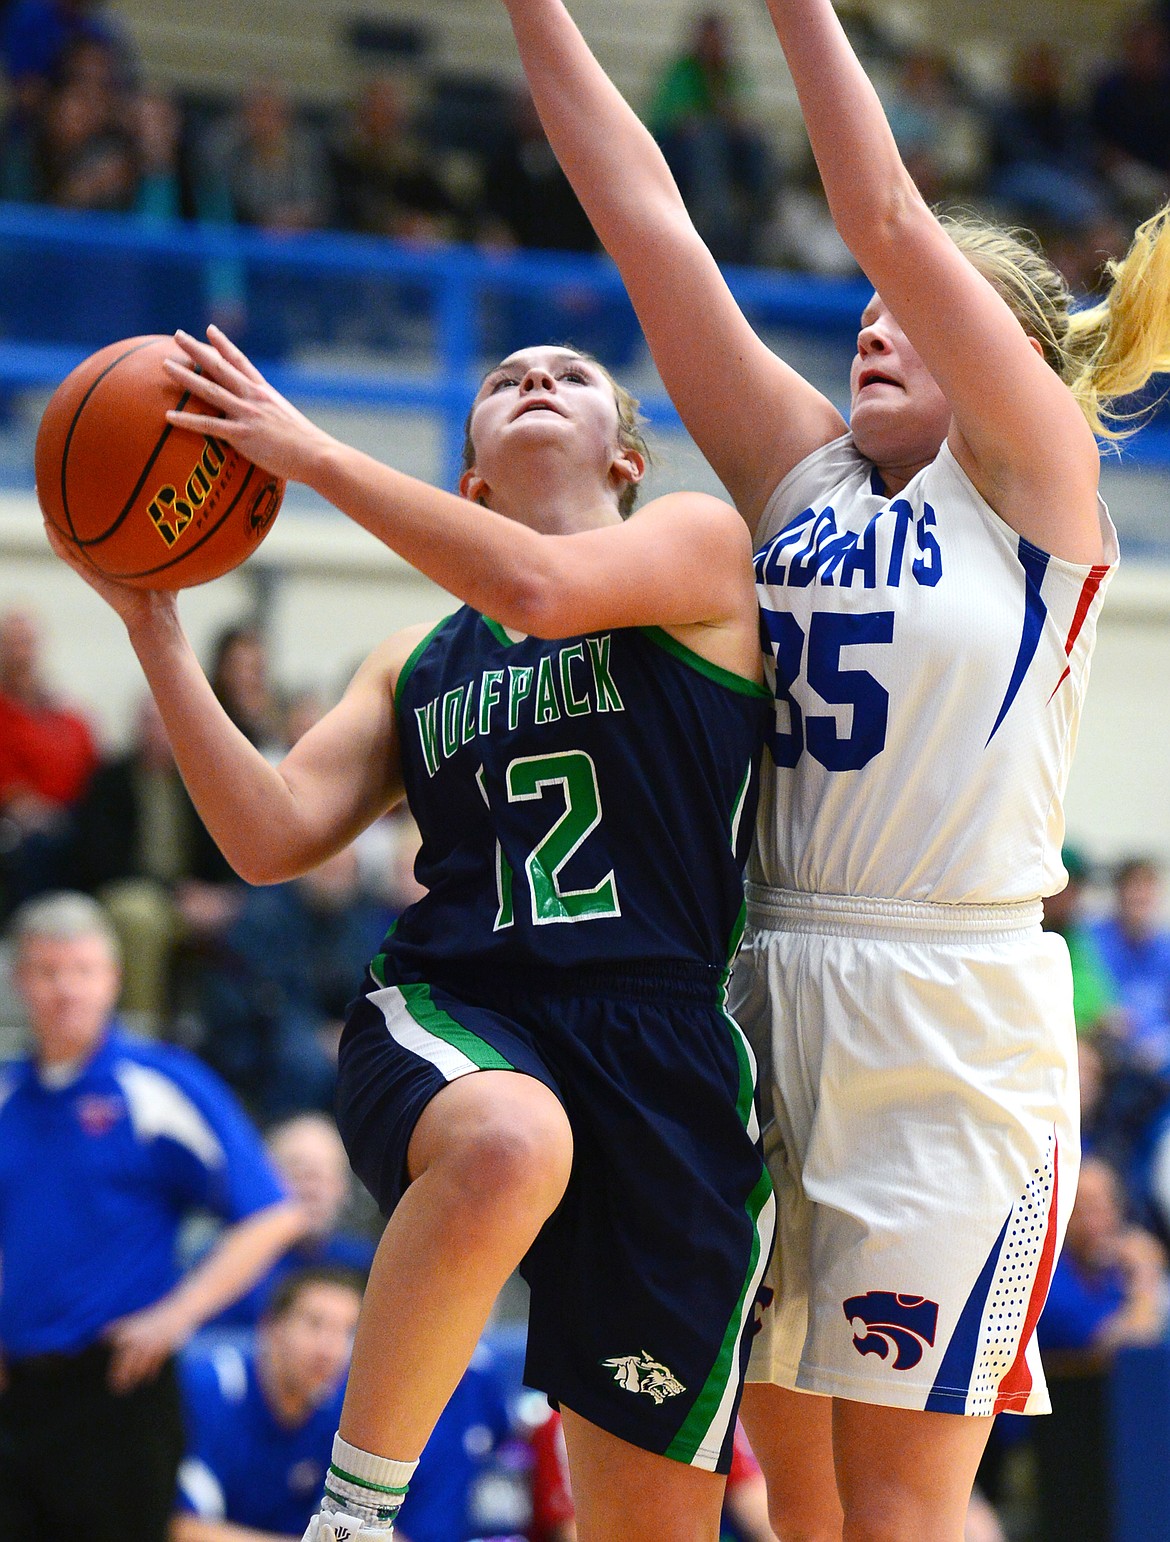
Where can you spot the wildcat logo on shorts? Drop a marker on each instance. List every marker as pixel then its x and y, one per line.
pixel 639 1373
pixel 905 1324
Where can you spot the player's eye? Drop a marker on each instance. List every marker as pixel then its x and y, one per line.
pixel 501 381
pixel 578 375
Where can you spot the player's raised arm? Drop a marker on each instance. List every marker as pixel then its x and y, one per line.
pixel 721 377
pixel 1018 431
pixel 271 822
pixel 547 419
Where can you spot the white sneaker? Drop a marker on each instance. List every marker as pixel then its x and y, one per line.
pixel 338 1526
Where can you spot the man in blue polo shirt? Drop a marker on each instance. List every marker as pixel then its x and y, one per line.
pixel 106 1144
pixel 261 1417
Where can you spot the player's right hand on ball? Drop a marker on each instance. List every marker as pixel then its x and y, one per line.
pixel 133 605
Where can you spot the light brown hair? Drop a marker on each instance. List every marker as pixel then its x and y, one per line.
pixel 630 434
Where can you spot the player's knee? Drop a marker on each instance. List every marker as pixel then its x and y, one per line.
pixel 517 1159
pixel 790 1527
pixel 884 1524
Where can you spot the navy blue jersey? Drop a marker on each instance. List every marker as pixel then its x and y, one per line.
pixel 583 801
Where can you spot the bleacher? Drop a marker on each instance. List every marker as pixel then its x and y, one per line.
pixel 318 48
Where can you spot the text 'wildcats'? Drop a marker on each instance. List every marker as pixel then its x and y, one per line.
pixel 572 682
pixel 810 549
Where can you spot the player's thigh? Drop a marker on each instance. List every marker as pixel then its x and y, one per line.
pixel 791 1434
pixel 625 1494
pixel 905 1475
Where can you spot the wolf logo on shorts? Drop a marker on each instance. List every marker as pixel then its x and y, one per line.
pixel 639 1373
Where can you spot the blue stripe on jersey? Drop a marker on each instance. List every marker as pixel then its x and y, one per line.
pixel 954 1374
pixel 1035 564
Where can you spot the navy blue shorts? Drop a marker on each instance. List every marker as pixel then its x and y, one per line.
pixel 645 1278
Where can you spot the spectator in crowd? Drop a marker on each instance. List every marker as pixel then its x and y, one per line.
pixel 260 1420
pixel 86 158
pixel 164 191
pixel 241 680
pixel 1109 1289
pixel 1042 156
pixel 1130 113
pixel 139 846
pixel 719 156
pixel 1135 949
pixel 276 984
pixel 37 35
pixel 386 182
pixel 310 1158
pixel 527 198
pixel 1094 998
pixel 105 1145
pixel 47 755
pixel 264 168
pixel 941 138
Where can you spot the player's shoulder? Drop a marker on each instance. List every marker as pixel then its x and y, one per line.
pixel 393 659
pixel 700 511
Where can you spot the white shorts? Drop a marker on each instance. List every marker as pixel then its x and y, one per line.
pixel 923 1138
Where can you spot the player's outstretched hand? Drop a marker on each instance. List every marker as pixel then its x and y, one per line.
pixel 133 605
pixel 256 419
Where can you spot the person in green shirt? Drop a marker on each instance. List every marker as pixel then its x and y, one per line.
pixel 720 158
pixel 1094 996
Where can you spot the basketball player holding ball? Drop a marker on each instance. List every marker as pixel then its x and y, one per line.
pixel 540 1070
pixel 929 577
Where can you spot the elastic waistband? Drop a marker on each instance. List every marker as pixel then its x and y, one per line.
pixel 849 915
pixel 657 980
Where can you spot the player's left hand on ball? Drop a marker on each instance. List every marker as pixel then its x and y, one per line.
pixel 257 420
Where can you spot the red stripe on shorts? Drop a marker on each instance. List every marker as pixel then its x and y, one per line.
pixel 1016 1386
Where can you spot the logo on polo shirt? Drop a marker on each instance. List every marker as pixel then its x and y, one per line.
pixel 639 1373
pixel 99 1112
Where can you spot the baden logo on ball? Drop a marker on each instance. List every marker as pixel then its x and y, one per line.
pixel 141 501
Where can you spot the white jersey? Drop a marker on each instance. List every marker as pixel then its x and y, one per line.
pixel 929 666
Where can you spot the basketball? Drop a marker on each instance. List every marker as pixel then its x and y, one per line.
pixel 143 502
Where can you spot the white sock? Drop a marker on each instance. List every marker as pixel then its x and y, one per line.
pixel 371 1487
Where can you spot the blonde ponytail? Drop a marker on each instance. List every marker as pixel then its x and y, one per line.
pixel 1120 343
pixel 1105 352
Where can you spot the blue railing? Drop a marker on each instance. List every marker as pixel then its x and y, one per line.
pixel 70 283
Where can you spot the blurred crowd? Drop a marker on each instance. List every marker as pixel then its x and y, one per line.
pixel 1079 157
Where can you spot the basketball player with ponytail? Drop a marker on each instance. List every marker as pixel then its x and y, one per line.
pixel 929 576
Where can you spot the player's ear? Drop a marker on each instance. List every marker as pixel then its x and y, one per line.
pixel 628 468
pixel 473 487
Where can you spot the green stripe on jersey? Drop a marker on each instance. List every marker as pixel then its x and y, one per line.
pixel 739 683
pixel 697 1424
pixel 416 653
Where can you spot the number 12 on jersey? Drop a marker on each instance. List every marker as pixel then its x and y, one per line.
pixel 532 777
pixel 828 633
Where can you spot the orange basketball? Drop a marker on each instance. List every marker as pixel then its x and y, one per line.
pixel 143 502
